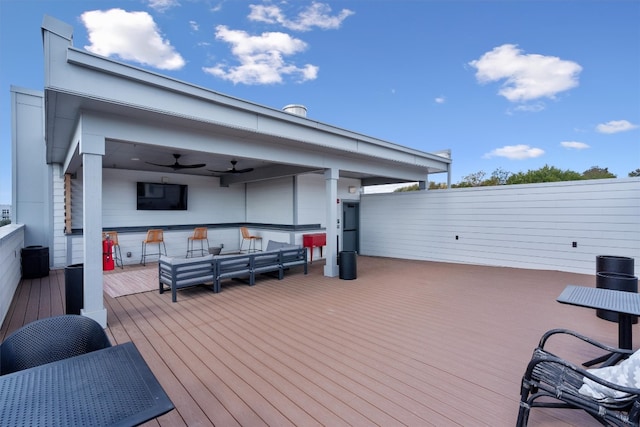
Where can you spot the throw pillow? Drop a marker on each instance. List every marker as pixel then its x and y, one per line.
pixel 626 374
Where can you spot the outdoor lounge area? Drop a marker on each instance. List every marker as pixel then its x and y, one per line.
pixel 454 287
pixel 407 343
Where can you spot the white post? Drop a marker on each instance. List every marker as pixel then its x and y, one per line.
pixel 92 150
pixel 331 180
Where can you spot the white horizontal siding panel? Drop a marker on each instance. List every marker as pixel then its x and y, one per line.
pixel 524 226
pixel 270 201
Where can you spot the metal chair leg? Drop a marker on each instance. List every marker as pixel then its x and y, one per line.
pixel 118 256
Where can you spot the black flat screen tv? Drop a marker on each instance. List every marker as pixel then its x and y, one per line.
pixel 161 197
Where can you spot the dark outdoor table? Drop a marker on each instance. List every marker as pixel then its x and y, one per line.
pixel 110 387
pixel 627 304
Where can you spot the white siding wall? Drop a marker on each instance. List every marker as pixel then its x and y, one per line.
pixel 311 200
pixel 207 203
pixel 11 244
pixel 270 201
pixel 524 226
pixel 31 180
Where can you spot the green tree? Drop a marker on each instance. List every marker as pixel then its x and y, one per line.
pixel 544 174
pixel 500 176
pixel 437 185
pixel 472 180
pixel 413 187
pixel 596 172
pixel 634 173
pixel 5 222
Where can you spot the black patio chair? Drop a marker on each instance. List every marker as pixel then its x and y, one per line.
pixel 51 339
pixel 553 382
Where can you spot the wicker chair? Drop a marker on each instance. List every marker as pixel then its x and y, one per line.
pixel 51 339
pixel 558 381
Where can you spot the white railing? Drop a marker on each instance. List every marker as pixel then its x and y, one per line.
pixel 11 243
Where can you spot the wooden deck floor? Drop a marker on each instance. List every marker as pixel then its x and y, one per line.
pixel 406 343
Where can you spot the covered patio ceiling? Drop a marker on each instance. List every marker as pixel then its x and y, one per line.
pixel 138 155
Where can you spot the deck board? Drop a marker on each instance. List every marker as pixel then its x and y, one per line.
pixel 406 343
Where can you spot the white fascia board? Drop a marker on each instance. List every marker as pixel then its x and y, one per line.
pixel 174 97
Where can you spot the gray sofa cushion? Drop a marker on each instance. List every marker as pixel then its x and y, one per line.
pixel 274 246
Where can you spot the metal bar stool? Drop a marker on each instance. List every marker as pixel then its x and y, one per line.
pixel 199 234
pixel 154 237
pixel 247 236
pixel 117 254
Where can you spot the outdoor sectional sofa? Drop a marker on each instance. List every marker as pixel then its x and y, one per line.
pixel 177 273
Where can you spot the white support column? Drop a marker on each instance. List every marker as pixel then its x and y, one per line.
pixel 331 180
pixel 92 150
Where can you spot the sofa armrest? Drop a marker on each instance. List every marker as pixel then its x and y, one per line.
pixel 184 272
pixel 294 257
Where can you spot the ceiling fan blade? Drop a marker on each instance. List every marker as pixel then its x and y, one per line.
pixel 198 165
pixel 158 164
pixel 177 166
pixel 241 170
pixel 233 169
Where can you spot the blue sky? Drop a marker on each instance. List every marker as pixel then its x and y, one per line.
pixel 504 84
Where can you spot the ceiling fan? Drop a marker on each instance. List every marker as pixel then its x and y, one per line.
pixel 233 169
pixel 177 166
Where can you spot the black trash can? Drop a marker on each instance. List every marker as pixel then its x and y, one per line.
pixel 618 282
pixel 74 288
pixel 348 265
pixel 35 262
pixel 615 265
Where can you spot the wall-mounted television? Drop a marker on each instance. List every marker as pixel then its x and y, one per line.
pixel 163 197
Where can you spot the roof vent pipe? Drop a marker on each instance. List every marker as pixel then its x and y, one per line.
pixel 297 109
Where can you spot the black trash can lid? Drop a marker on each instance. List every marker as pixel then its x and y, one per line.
pixel 75 266
pixel 615 275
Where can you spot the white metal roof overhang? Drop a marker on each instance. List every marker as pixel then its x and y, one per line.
pixel 148 116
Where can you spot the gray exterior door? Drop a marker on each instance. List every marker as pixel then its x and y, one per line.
pixel 350 226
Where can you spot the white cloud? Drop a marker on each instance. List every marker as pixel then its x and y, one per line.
pixel 261 58
pixel 574 145
pixel 217 7
pixel 515 152
pixel 316 15
pixel 132 36
pixel 440 100
pixel 615 126
pixel 163 5
pixel 535 107
pixel 526 76
pixel 194 25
